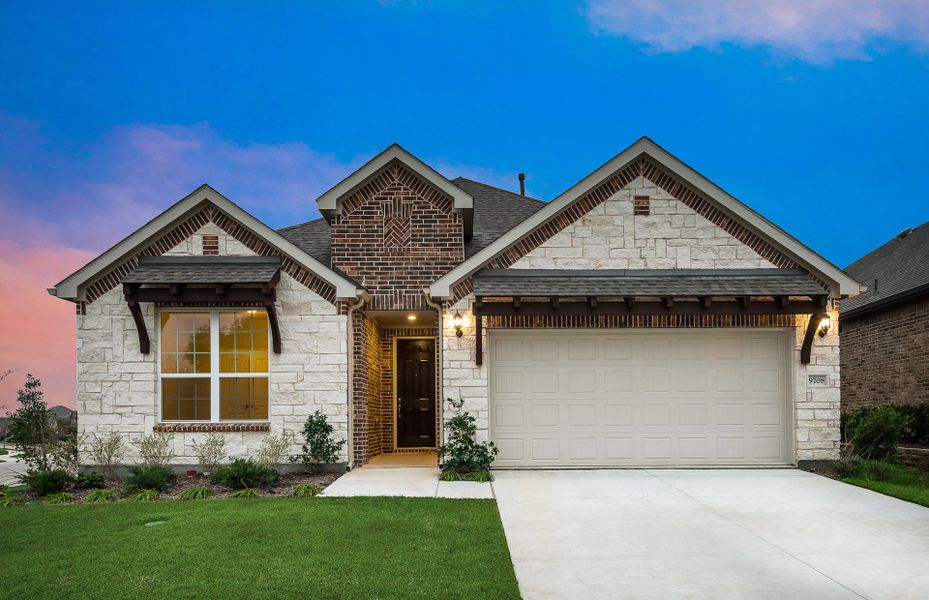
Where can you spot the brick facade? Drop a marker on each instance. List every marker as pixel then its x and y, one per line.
pixel 396 235
pixel 885 356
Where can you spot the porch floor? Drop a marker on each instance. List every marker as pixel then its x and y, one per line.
pixel 404 459
pixel 420 482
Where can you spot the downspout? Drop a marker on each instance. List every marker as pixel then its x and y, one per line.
pixel 441 365
pixel 351 380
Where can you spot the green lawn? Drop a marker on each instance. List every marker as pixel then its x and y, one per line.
pixel 906 483
pixel 261 548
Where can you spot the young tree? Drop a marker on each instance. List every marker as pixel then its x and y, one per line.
pixel 31 427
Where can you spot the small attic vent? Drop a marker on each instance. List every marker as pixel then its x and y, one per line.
pixel 640 206
pixel 210 245
pixel 904 233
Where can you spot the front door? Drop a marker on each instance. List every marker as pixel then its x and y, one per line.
pixel 416 393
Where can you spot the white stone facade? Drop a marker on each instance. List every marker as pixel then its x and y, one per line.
pixel 673 236
pixel 117 385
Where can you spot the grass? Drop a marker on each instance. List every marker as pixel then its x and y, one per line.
pixel 899 481
pixel 258 548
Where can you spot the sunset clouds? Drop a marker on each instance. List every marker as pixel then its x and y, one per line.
pixel 817 31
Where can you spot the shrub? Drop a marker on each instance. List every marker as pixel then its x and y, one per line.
pixel 211 452
pixel 480 476
pixel 99 496
pixel 848 465
pixel 306 490
pixel 879 471
pixel 874 433
pixel 319 447
pixel 450 476
pixel 63 454
pixel 60 498
pixel 146 495
pixel 90 480
pixel 11 500
pixel 195 493
pixel 273 449
pixel 32 428
pixel 244 473
pixel 244 493
pixel 108 451
pixel 916 429
pixel 156 450
pixel 462 453
pixel 149 478
pixel 43 483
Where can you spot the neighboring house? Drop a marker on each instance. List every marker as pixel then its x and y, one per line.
pixel 885 330
pixel 642 317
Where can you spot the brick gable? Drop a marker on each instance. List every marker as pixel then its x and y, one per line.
pixel 395 235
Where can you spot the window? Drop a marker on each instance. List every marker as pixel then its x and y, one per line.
pixel 214 365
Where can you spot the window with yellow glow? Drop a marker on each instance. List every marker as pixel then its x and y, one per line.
pixel 214 365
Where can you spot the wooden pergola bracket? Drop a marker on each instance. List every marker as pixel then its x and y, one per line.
pixel 807 348
pixel 145 346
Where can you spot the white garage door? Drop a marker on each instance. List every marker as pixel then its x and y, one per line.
pixel 639 397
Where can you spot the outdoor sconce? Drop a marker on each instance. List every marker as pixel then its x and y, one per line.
pixel 824 326
pixel 457 322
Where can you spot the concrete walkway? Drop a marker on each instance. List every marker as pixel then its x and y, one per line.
pixel 744 534
pixel 420 482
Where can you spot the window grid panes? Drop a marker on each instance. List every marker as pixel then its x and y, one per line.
pixel 214 365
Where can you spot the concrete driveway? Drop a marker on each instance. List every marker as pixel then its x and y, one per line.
pixel 778 533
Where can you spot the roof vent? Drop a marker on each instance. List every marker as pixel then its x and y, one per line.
pixel 904 233
pixel 522 184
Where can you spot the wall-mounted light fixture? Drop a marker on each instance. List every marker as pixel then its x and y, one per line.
pixel 411 317
pixel 457 323
pixel 824 326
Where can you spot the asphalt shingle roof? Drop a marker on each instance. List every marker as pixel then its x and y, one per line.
pixel 895 270
pixel 204 269
pixel 313 237
pixel 634 282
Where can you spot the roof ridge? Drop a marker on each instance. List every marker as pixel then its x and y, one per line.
pixel 295 225
pixel 499 189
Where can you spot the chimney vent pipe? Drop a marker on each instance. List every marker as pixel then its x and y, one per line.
pixel 522 184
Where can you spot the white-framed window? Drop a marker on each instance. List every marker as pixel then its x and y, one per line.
pixel 213 365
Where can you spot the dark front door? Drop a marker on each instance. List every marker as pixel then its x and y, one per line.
pixel 415 393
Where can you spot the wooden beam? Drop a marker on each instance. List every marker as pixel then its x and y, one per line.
pixel 275 328
pixel 145 346
pixel 783 301
pixel 479 339
pixel 668 302
pixel 807 348
pixel 630 302
pixel 727 307
pixel 592 302
pixel 745 302
pixel 204 294
pixel 517 302
pixel 554 303
pixel 707 301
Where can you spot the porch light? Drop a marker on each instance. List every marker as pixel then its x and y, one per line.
pixel 457 323
pixel 824 326
pixel 411 317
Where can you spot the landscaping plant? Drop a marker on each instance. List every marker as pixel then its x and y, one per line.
pixel 874 433
pixel 99 496
pixel 31 428
pixel 195 493
pixel 107 452
pixel 246 492
pixel 43 483
pixel 319 447
pixel 210 452
pixel 11 500
pixel 90 480
pixel 244 473
pixel 273 449
pixel 149 478
pixel 60 498
pixel 306 490
pixel 462 453
pixel 156 450
pixel 146 495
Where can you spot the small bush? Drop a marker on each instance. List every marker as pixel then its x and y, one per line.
pixel 43 483
pixel 463 453
pixel 211 452
pixel 195 493
pixel 90 480
pixel 875 433
pixel 849 465
pixel 319 447
pixel 108 451
pixel 156 450
pixel 879 471
pixel 245 493
pixel 273 449
pixel 99 496
pixel 916 429
pixel 480 476
pixel 149 478
pixel 450 476
pixel 59 498
pixel 11 500
pixel 244 473
pixel 306 490
pixel 143 496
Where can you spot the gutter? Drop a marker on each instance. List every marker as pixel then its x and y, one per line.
pixel 350 425
pixel 441 365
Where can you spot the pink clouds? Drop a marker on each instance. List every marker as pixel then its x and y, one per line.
pixel 817 31
pixel 37 330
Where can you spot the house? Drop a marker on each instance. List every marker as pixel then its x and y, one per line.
pixel 642 317
pixel 885 330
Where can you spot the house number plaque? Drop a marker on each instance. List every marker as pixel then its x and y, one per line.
pixel 817 380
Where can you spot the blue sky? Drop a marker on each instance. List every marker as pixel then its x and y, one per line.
pixel 813 113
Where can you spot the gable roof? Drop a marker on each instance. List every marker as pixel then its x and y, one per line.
pixel 331 201
pixel 732 207
pixel 897 270
pixel 72 287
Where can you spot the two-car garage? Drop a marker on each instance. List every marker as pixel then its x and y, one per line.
pixel 646 397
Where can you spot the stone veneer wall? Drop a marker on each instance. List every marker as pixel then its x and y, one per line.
pixel 885 356
pixel 816 409
pixel 117 385
pixel 673 236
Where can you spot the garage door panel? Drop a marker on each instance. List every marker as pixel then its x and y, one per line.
pixel 643 398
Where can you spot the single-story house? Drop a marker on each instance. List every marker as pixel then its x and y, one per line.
pixel 885 330
pixel 642 317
